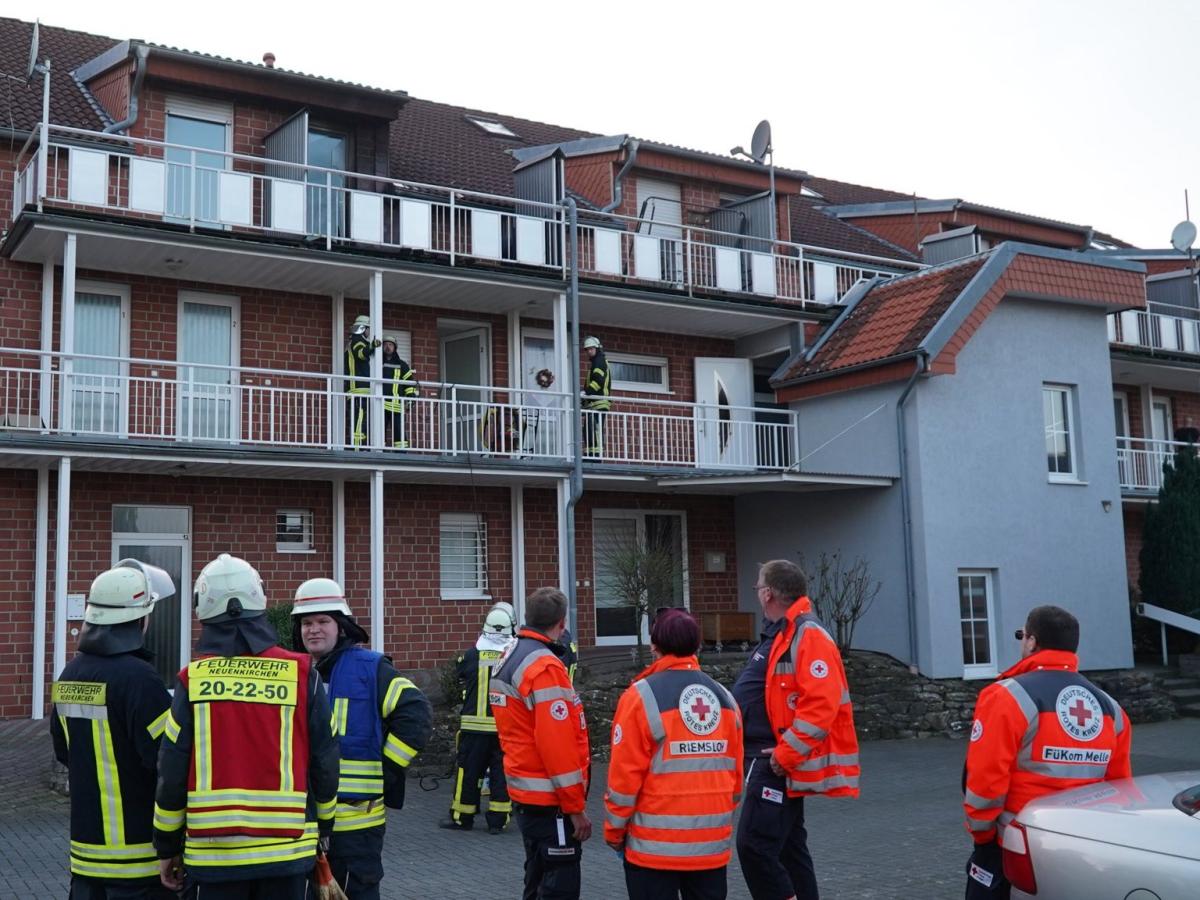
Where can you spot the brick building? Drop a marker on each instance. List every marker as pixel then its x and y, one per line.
pixel 189 239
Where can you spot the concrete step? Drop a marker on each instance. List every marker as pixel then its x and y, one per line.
pixel 1180 682
pixel 1185 695
pixel 1189 711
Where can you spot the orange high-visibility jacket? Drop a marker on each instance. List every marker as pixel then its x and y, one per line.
pixel 676 772
pixel 543 732
pixel 808 704
pixel 1042 728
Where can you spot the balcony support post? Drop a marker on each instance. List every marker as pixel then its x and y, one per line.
pixel 336 399
pixel 377 560
pixel 339 530
pixel 46 383
pixel 67 333
pixel 37 700
pixel 376 314
pixel 61 553
pixel 44 138
pixel 517 501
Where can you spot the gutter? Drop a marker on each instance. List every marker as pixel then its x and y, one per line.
pixel 141 54
pixel 576 478
pixel 910 579
pixel 618 193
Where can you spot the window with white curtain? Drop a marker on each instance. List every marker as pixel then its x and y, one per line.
pixel 463 556
pixel 632 372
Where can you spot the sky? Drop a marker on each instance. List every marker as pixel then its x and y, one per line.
pixel 1071 110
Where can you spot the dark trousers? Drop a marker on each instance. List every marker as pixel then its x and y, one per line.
pixel 479 754
pixel 552 855
pixel 666 884
pixel 593 432
pixel 395 428
pixel 356 859
pixel 285 887
pixel 103 889
pixel 985 874
pixel 772 844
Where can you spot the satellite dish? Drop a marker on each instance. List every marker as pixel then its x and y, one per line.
pixel 33 53
pixel 1183 236
pixel 760 144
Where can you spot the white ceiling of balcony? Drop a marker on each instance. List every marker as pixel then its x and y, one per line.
pixel 101 251
pixel 1162 374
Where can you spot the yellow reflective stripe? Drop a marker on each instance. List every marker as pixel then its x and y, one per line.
pixel 397 751
pixel 203 747
pixel 247 854
pixel 356 816
pixel 245 797
pixel 108 851
pixel 341 714
pixel 326 809
pixel 500 805
pixel 286 779
pixel 360 785
pixel 361 767
pixel 139 869
pixel 227 841
pixel 171 728
pixel 167 819
pixel 392 698
pixel 159 725
pixel 201 820
pixel 477 723
pixel 62 720
pixel 112 810
pixel 482 676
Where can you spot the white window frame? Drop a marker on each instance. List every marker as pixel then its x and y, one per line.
pixel 638 359
pixel 1067 390
pixel 308 544
pixel 480 591
pixel 638 515
pixel 123 291
pixel 1162 402
pixel 979 670
pixel 491 126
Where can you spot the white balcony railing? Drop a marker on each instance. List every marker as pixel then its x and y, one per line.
pixel 1140 462
pixel 1154 331
pixel 201 188
pixel 177 403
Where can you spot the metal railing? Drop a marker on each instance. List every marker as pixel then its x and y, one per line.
pixel 1140 462
pixel 1155 331
pixel 225 406
pixel 203 188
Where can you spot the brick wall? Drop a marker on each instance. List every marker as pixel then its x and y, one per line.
pixel 112 90
pixel 18 493
pixel 1135 521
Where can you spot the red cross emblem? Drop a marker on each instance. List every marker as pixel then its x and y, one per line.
pixel 1080 713
pixel 701 709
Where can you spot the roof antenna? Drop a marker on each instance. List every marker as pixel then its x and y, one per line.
pixel 916 224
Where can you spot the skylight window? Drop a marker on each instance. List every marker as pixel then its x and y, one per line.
pixel 806 191
pixel 492 127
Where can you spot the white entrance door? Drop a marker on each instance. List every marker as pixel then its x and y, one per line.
pixel 630 548
pixel 99 387
pixel 208 348
pixel 724 413
pixel 1161 426
pixel 465 361
pixel 159 535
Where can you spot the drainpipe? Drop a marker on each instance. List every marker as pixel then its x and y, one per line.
pixel 142 54
pixel 618 185
pixel 910 579
pixel 576 481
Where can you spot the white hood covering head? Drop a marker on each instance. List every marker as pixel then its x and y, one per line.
pixel 494 641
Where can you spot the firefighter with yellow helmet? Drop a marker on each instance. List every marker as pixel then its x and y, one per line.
pixel 399 387
pixel 381 721
pixel 359 349
pixel 479 754
pixel 248 769
pixel 110 708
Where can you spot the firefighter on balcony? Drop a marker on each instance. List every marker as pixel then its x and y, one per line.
pixel 543 733
pixel 479 753
pixel 597 387
pixel 381 721
pixel 1041 728
pixel 248 769
pixel 359 348
pixel 398 384
pixel 110 708
pixel 676 771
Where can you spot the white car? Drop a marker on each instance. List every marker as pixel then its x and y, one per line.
pixel 1133 839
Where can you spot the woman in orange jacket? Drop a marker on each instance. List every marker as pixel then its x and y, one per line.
pixel 676 772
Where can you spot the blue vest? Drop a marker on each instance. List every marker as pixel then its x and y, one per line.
pixel 357 724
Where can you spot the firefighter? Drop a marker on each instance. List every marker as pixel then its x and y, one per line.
pixel 570 653
pixel 110 708
pixel 596 388
pixel 799 736
pixel 248 769
pixel 676 772
pixel 543 733
pixel 396 372
pixel 478 746
pixel 381 721
pixel 359 348
pixel 1041 728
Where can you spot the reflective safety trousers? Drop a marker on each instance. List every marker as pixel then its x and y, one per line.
pixel 676 771
pixel 1041 728
pixel 108 717
pixel 542 728
pixel 808 704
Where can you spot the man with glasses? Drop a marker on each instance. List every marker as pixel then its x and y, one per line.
pixel 1079 736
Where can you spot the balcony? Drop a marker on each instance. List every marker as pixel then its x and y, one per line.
pixel 238 194
pixel 1155 331
pixel 1140 463
pixel 165 403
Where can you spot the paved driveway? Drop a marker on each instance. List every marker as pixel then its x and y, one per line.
pixel 902 839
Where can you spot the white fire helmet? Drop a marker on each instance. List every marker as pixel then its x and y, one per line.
pixel 499 628
pixel 320 595
pixel 229 587
pixel 126 592
pixel 391 339
pixel 591 341
pixel 362 325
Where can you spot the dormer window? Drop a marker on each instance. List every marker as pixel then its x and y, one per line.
pixel 492 127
